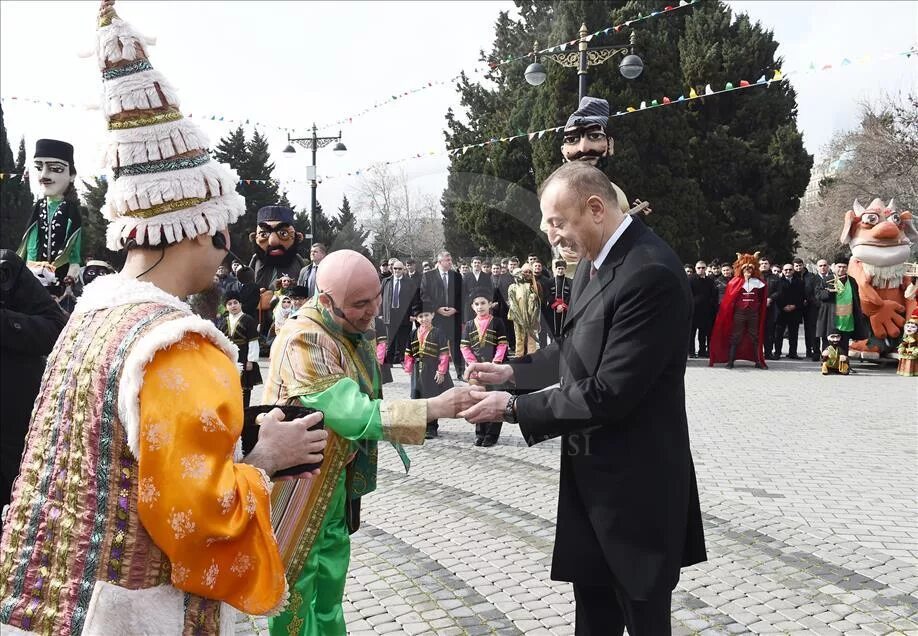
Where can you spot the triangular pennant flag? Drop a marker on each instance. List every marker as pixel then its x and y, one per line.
pixel 666 100
pixel 631 109
pixel 692 94
pixel 761 80
pixel 532 135
pixel 812 66
pixel 778 75
pixel 681 98
pixel 743 83
pixel 846 62
pixel 708 90
pixel 654 103
pixel 643 105
pixel 729 86
pixel 683 3
pixel 826 67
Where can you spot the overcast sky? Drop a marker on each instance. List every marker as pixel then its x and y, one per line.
pixel 292 63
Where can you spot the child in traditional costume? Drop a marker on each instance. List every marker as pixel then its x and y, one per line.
pixel 908 348
pixel 427 360
pixel 484 339
pixel 242 330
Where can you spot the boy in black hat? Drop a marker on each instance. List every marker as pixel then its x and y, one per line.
pixel 54 233
pixel 242 329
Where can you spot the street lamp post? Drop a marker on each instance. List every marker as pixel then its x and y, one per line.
pixel 584 57
pixel 313 143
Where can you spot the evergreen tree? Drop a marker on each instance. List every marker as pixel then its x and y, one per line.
pixel 325 233
pixel 15 196
pixel 94 224
pixel 349 234
pixel 722 174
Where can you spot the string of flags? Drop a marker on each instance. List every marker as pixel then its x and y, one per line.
pixel 557 48
pixel 708 91
pixel 395 97
pixel 779 75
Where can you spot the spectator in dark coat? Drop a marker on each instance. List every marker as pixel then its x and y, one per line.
pixel 249 293
pixel 704 308
pixel 30 321
pixel 789 300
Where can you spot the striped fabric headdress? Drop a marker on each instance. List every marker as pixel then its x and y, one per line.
pixel 165 186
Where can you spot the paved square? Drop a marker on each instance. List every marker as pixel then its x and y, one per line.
pixel 808 491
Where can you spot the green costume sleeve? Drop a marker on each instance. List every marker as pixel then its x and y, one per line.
pixel 353 415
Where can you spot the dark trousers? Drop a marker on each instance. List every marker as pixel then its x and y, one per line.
pixel 810 314
pixel 787 323
pixel 605 610
pixel 703 333
pixel 842 344
pixel 397 343
pixel 489 430
pixel 770 316
pixel 745 321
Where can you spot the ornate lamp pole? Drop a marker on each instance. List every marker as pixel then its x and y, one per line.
pixel 313 143
pixel 584 57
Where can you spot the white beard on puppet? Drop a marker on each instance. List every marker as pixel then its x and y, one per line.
pixel 53 176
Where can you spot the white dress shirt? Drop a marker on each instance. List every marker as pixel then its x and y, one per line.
pixel 604 252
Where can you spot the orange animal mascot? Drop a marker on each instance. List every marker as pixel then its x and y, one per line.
pixel 739 329
pixel 880 237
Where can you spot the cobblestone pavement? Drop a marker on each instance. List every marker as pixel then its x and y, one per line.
pixel 808 492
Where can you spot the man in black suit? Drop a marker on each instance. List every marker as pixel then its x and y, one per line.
pixel 704 309
pixel 823 277
pixel 441 293
pixel 771 308
pixel 628 512
pixel 400 300
pixel 790 299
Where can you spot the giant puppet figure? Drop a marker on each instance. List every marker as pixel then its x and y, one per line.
pixel 53 239
pixel 880 237
pixel 276 242
pixel 739 329
pixel 586 138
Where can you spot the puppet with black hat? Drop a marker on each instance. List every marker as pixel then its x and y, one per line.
pixel 586 137
pixel 276 242
pixel 53 238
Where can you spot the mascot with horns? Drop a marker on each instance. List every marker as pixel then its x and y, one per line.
pixel 739 330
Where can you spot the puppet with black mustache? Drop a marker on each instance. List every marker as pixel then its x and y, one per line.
pixel 276 244
pixel 54 234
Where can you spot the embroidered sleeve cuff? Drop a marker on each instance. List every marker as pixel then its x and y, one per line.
pixel 404 421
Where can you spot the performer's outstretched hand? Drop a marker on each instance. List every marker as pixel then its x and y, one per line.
pixel 489 373
pixel 284 444
pixel 489 405
pixel 449 403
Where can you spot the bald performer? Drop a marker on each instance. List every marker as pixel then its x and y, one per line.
pixel 325 358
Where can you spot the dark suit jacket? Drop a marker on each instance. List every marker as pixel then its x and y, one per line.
pixel 628 502
pixel 433 295
pixel 790 292
pixel 409 301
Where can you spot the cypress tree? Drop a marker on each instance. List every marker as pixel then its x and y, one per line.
pixel 15 196
pixel 349 234
pixel 723 174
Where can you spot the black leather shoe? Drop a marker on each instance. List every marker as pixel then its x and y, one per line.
pixel 489 441
pixel 479 441
pixel 793 356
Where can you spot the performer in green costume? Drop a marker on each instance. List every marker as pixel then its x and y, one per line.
pixel 325 358
pixel 54 235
